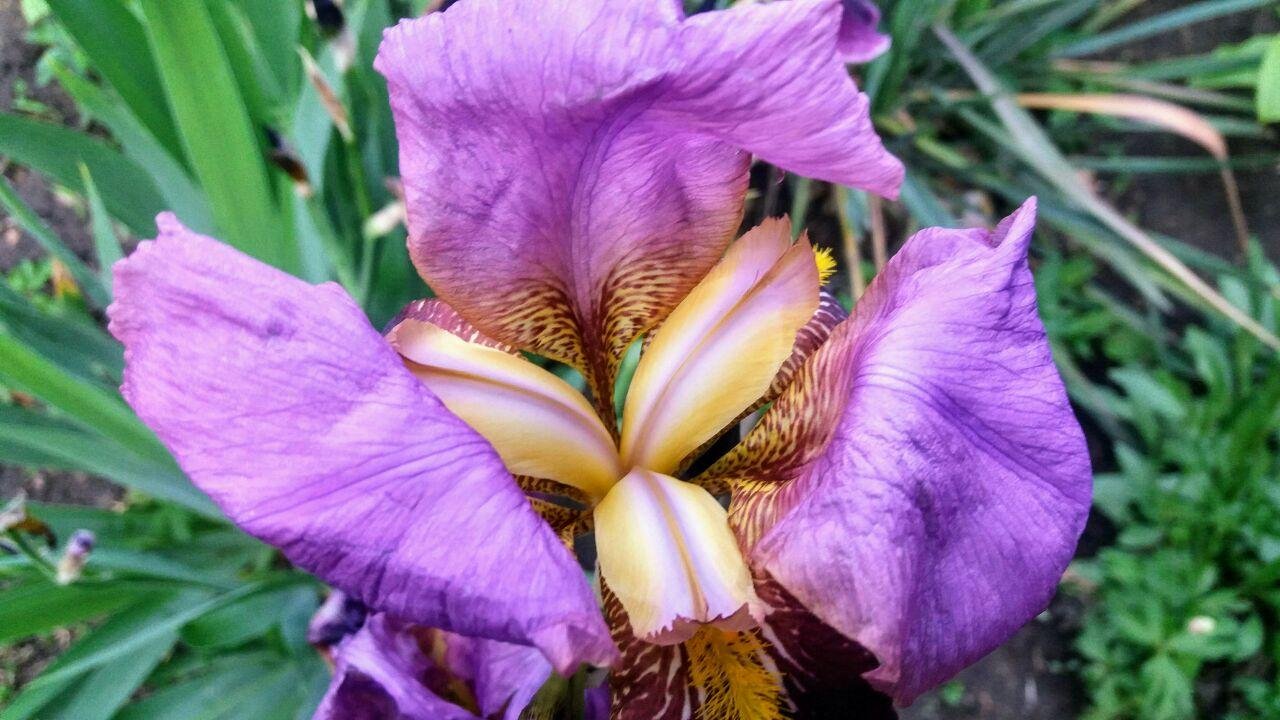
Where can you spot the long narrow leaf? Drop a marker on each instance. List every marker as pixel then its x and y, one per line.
pixel 216 129
pixel 104 691
pixel 1045 157
pixel 117 48
pixel 1174 118
pixel 1172 20
pixel 135 629
pixel 58 152
pixel 105 242
pixel 71 341
pixel 34 440
pixel 84 403
pixel 89 281
pixel 171 178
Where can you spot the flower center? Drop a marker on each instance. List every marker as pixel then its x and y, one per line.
pixel 665 545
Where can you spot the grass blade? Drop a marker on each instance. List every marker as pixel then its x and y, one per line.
pixel 105 242
pixel 1174 118
pixel 171 178
pixel 35 440
pixel 1268 97
pixel 1046 159
pixel 136 628
pixel 59 152
pixel 215 127
pixel 1172 20
pixel 117 47
pixel 84 403
pixel 90 283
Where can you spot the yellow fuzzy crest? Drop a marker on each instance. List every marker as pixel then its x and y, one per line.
pixel 826 264
pixel 727 667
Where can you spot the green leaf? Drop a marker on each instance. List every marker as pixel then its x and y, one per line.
pixel 246 619
pixel 1268 96
pixel 135 628
pixel 87 405
pixel 38 441
pixel 89 282
pixel 172 179
pixel 1167 692
pixel 57 151
pixel 37 607
pixel 117 47
pixel 71 340
pixel 208 693
pixel 221 140
pixel 1172 20
pixel 104 691
pixel 105 242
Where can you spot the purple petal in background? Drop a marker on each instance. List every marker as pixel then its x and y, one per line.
pixel 379 675
pixel 944 510
pixel 280 401
pixel 859 40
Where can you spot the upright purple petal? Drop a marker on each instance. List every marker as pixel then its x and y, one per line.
pixel 280 401
pixel 860 41
pixel 573 167
pixel 504 677
pixel 945 508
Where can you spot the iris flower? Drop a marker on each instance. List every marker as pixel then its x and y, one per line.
pixel 574 173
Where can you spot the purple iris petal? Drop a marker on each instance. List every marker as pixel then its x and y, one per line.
pixel 379 675
pixel 573 167
pixel 945 509
pixel 504 677
pixel 859 40
pixel 280 401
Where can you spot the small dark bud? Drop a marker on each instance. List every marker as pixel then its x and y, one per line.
pixel 75 556
pixel 338 617
pixel 328 15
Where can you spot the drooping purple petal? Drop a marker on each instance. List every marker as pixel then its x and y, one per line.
pixel 379 675
pixel 573 167
pixel 860 41
pixel 945 508
pixel 280 401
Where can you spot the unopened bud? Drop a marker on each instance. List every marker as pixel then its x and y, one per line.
pixel 75 556
pixel 339 616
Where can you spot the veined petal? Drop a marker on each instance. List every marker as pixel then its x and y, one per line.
pixel 438 313
pixel 666 551
pixel 720 348
pixel 279 400
pixel 573 167
pixel 540 425
pixel 955 482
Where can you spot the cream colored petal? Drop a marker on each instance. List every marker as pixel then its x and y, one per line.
pixel 539 425
pixel 666 551
pixel 719 349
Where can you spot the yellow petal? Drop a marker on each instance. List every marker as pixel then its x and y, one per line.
pixel 539 425
pixel 666 552
pixel 719 349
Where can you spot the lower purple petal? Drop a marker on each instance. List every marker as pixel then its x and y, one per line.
pixel 950 499
pixel 281 401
